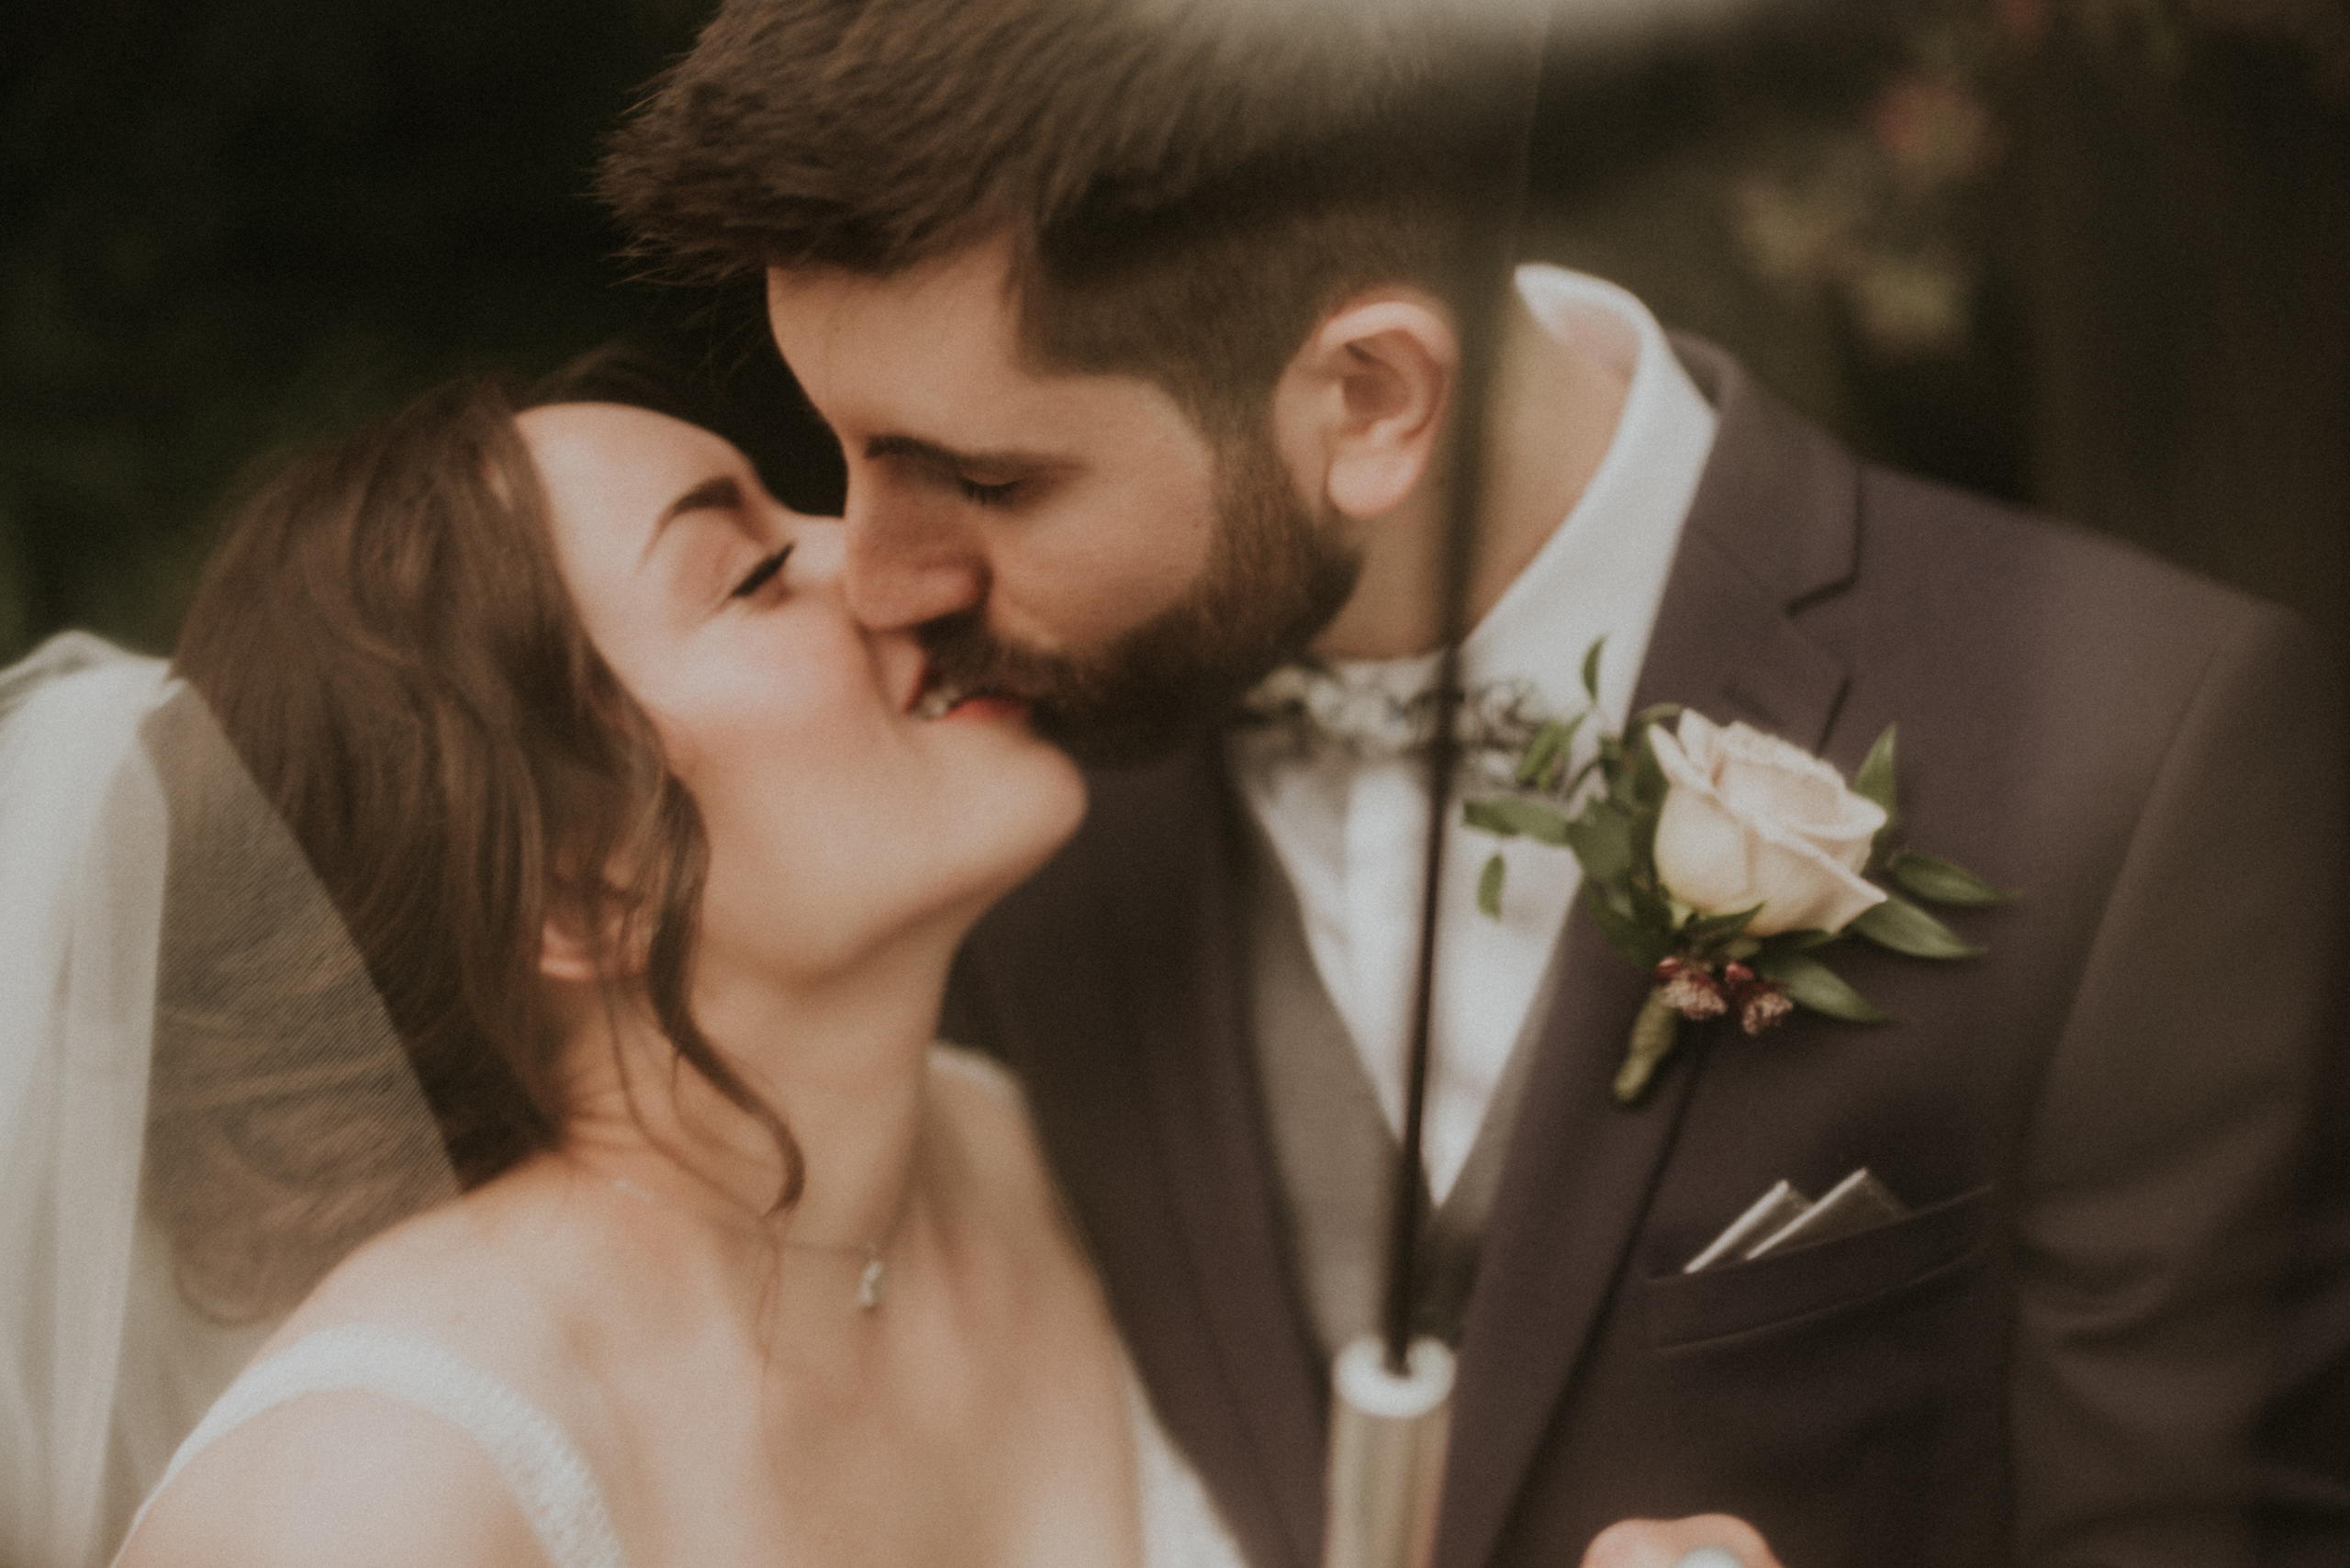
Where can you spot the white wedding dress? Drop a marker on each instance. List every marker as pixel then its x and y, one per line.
pixel 553 1485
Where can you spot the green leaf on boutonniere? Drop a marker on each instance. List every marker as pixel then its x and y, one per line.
pixel 1601 840
pixel 1939 882
pixel 1648 773
pixel 1810 983
pixel 1547 750
pixel 1709 929
pixel 1622 931
pixel 1901 925
pixel 1507 817
pixel 1648 907
pixel 1654 713
pixel 1875 782
pixel 1642 829
pixel 1620 798
pixel 1591 669
pixel 1489 885
pixel 1779 943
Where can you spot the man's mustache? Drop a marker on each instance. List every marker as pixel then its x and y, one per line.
pixel 966 654
pixel 1111 709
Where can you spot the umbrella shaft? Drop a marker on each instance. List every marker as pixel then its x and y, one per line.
pixel 1387 1442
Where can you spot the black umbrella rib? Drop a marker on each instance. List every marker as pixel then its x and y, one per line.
pixel 1482 315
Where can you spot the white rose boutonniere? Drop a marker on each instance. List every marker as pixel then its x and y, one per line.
pixel 1719 859
pixel 1750 822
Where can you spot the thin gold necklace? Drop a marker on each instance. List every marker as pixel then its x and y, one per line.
pixel 872 1281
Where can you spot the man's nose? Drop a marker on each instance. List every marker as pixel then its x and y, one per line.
pixel 817 546
pixel 901 568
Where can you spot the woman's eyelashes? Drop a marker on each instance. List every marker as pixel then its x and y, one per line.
pixel 987 495
pixel 761 573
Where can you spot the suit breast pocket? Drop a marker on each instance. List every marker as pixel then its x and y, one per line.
pixel 1791 1290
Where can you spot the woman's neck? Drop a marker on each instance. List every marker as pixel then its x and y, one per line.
pixel 841 1058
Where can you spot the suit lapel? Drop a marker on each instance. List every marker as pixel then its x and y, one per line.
pixel 1773 526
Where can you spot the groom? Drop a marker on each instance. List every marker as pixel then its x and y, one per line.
pixel 1140 326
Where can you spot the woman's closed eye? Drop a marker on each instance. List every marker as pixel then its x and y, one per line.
pixel 762 574
pixel 987 495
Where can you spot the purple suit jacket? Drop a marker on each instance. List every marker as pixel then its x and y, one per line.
pixel 2060 1354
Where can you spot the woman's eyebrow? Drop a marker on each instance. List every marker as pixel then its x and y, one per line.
pixel 718 493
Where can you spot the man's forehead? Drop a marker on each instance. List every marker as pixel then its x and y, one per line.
pixel 935 354
pixel 968 289
pixel 842 330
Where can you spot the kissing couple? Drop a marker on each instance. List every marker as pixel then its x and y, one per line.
pixel 557 865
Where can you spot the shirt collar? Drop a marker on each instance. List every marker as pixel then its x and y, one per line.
pixel 1602 572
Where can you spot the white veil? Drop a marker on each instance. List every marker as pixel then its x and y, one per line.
pixel 202 1104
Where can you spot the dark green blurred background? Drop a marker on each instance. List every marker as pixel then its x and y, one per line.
pixel 2091 253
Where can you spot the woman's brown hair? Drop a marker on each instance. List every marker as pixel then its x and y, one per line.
pixel 385 640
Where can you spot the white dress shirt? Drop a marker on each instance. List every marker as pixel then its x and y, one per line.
pixel 1352 833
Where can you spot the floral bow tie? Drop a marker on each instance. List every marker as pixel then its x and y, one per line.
pixel 1309 711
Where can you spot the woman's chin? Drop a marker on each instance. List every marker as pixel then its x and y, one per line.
pixel 1025 819
pixel 1041 813
pixel 912 867
pixel 996 839
pixel 955 891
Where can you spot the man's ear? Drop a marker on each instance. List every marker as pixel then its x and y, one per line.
pixel 1359 411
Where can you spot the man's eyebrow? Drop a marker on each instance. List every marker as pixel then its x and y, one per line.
pixel 719 493
pixel 937 456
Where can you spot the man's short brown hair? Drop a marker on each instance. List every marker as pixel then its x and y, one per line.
pixel 1188 186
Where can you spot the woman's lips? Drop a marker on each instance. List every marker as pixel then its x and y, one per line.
pixel 935 699
pixel 987 705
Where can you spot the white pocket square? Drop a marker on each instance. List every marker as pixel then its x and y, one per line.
pixel 1783 1217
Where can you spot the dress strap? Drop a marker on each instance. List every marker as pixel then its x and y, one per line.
pixel 549 1479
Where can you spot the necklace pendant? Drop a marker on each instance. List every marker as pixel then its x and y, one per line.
pixel 869 1284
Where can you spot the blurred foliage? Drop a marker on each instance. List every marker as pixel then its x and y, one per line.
pixel 2093 254
pixel 1882 205
pixel 235 225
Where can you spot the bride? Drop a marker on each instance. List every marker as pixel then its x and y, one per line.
pixel 657 861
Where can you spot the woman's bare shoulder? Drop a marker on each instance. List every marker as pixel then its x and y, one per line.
pixel 336 1480
pixel 492 1280
pixel 408 1271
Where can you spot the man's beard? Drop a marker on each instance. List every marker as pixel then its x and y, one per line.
pixel 1271 581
